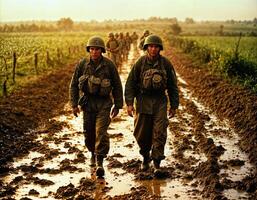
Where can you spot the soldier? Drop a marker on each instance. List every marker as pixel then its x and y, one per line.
pixel 149 79
pixel 134 40
pixel 128 41
pixel 123 47
pixel 119 58
pixel 99 82
pixel 112 46
pixel 142 39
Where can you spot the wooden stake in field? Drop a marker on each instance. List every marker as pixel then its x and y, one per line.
pixel 36 62
pixel 14 66
pixel 6 78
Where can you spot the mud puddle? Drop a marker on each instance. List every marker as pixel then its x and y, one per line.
pixel 59 167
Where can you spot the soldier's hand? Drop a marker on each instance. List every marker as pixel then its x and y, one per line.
pixel 172 112
pixel 75 111
pixel 130 110
pixel 114 112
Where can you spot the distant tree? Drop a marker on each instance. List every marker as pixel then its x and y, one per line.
pixel 189 20
pixel 33 27
pixel 221 31
pixel 176 29
pixel 65 24
pixel 255 21
pixel 173 20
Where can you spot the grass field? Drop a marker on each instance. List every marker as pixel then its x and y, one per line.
pixel 222 55
pixel 53 50
pixel 247 46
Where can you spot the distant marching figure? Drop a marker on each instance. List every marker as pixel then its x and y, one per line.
pixel 113 47
pixel 142 39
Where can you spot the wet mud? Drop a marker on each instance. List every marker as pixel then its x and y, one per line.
pixel 209 152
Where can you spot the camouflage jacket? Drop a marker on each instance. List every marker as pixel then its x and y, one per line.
pixel 146 103
pixel 94 102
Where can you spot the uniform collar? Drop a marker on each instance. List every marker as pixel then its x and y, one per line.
pixel 153 62
pixel 102 63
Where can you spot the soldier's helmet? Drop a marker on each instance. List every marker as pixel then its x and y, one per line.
pixel 153 39
pixel 146 32
pixel 95 41
pixel 111 35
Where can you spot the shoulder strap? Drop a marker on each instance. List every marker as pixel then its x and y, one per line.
pixel 163 64
pixel 83 67
pixel 142 67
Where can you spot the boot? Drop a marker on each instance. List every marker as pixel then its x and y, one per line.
pixel 157 169
pixel 99 169
pixel 92 159
pixel 145 163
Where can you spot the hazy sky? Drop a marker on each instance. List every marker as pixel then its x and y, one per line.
pixel 16 10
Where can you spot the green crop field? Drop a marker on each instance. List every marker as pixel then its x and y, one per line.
pixel 227 56
pixel 51 49
pixel 247 46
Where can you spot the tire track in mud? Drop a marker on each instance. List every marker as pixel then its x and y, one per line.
pixel 203 160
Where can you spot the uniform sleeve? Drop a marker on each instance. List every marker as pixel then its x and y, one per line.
pixel 172 85
pixel 107 45
pixel 141 44
pixel 117 88
pixel 74 88
pixel 131 86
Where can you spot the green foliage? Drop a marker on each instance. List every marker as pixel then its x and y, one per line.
pixel 225 59
pixel 53 50
pixel 65 24
pixel 189 20
pixel 176 29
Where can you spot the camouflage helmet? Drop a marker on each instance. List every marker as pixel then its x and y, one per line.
pixel 153 39
pixel 95 41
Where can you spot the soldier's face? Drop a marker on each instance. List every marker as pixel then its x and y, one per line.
pixel 153 50
pixel 95 53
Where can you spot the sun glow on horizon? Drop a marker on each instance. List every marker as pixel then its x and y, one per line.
pixel 80 10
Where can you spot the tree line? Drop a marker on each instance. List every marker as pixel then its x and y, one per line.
pixel 67 24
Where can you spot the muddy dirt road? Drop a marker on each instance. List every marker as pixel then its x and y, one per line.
pixel 203 160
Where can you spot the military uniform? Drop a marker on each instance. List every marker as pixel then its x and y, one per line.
pixel 123 47
pixel 96 87
pixel 97 108
pixel 134 40
pixel 151 104
pixel 113 47
pixel 142 39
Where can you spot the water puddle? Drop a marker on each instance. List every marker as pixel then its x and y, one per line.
pixel 222 134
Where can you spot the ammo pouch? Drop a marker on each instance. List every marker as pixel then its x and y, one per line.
pixel 83 83
pixel 105 88
pixel 94 85
pixel 154 79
